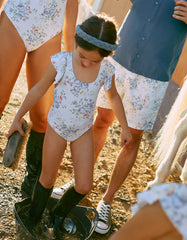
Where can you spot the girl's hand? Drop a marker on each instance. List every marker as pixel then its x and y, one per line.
pixel 126 137
pixel 180 11
pixel 16 126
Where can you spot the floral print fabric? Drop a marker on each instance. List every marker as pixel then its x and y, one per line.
pixel 36 21
pixel 72 112
pixel 173 199
pixel 141 97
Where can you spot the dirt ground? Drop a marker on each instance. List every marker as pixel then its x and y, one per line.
pixel 10 181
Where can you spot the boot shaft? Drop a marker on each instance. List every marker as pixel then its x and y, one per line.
pixel 39 201
pixel 69 200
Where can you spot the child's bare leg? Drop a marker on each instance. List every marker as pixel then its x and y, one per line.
pixel 12 50
pixel 149 223
pixel 53 151
pixel 83 160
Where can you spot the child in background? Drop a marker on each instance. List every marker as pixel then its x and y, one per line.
pixel 160 214
pixel 77 77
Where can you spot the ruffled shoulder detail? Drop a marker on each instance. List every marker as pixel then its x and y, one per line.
pixel 59 61
pixel 162 192
pixel 109 71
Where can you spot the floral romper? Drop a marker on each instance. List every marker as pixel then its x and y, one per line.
pixel 141 97
pixel 173 199
pixel 72 112
pixel 36 21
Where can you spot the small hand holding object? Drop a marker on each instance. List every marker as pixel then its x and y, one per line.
pixel 16 126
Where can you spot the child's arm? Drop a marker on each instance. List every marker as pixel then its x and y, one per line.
pixel 117 106
pixel 70 19
pixel 32 97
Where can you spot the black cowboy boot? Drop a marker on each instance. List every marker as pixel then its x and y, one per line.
pixel 69 200
pixel 34 161
pixel 39 201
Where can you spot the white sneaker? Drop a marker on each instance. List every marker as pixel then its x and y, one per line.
pixel 58 192
pixel 104 222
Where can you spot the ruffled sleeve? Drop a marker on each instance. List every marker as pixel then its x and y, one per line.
pixel 162 192
pixel 110 71
pixel 59 62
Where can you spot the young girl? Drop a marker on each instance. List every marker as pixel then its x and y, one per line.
pixel 77 77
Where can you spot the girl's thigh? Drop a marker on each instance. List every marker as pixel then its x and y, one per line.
pixel 53 151
pixel 36 64
pixel 12 54
pixel 82 151
pixel 38 60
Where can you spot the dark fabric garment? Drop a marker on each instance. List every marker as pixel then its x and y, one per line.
pixel 151 40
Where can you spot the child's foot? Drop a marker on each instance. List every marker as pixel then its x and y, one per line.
pixel 58 229
pixel 37 229
pixel 104 222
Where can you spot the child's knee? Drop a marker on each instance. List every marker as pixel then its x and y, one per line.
pixel 83 188
pixel 104 118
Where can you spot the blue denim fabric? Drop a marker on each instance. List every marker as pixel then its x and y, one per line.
pixel 151 40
